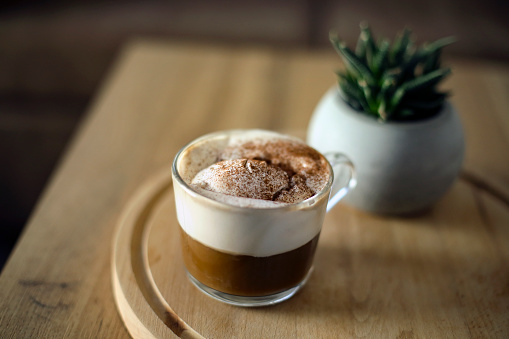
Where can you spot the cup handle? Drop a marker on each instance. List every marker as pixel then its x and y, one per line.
pixel 340 161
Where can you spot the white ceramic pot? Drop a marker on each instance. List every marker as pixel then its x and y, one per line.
pixel 402 167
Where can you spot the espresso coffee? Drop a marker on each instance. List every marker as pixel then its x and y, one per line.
pixel 247 275
pixel 244 236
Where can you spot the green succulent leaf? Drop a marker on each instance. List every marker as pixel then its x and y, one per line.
pixel 439 44
pixel 353 95
pixel 434 51
pixel 408 69
pixel 380 60
pixel 353 62
pixel 387 88
pixel 426 80
pixel 432 63
pixel 369 45
pixel 400 46
pixel 396 99
pixel 360 48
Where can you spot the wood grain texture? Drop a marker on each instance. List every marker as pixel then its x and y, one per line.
pixel 159 96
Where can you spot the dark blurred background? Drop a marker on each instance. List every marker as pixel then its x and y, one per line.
pixel 53 55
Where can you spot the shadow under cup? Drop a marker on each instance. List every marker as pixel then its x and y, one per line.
pixel 246 256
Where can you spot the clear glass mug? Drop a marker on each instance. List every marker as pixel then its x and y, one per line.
pixel 248 256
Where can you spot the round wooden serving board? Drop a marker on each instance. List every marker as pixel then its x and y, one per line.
pixel 428 274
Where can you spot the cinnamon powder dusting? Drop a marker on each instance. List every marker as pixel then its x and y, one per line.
pixel 280 170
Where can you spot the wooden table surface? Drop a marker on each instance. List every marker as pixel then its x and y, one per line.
pixel 57 282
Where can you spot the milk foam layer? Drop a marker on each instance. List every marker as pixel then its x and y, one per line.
pixel 243 225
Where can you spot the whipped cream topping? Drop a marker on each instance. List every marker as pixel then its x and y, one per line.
pixel 267 167
pixel 255 179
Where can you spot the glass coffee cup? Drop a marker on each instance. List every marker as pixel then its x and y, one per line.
pixel 251 252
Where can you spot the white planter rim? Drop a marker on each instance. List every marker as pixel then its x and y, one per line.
pixel 446 110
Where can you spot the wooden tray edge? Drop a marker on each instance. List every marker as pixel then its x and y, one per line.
pixel 130 241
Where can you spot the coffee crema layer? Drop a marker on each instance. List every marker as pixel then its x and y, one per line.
pixel 262 227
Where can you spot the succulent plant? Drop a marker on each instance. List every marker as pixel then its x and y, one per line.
pixel 395 81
